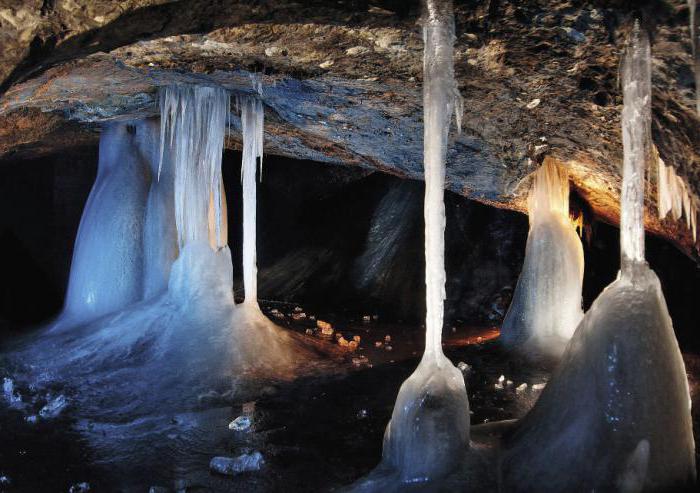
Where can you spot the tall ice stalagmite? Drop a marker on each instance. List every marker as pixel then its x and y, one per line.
pixel 615 414
pixel 428 434
pixel 546 306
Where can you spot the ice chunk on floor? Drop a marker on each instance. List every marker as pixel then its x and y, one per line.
pixel 231 466
pixel 54 407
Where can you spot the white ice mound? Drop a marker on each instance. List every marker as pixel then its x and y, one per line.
pixel 546 306
pixel 428 434
pixel 620 383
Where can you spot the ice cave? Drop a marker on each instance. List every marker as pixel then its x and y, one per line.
pixel 349 245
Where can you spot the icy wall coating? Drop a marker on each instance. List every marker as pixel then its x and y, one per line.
pixel 546 305
pixel 616 411
pixel 107 267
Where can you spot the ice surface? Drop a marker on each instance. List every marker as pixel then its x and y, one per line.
pixel 546 306
pixel 160 233
pixel 107 268
pixel 252 116
pixel 615 414
pixel 428 434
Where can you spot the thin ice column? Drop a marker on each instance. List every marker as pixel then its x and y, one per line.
pixel 252 116
pixel 636 141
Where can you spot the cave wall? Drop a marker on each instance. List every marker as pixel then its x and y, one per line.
pixel 331 238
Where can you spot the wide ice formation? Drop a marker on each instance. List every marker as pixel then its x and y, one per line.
pixel 615 414
pixel 107 267
pixel 428 434
pixel 546 306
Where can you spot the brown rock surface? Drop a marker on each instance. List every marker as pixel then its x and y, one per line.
pixel 341 83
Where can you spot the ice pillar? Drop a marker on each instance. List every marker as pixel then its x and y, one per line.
pixel 252 117
pixel 428 434
pixel 636 141
pixel 107 266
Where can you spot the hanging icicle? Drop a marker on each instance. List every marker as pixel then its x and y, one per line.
pixel 193 124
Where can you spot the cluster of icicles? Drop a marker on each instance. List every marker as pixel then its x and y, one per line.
pixel 675 197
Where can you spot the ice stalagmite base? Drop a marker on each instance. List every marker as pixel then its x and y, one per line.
pixel 546 306
pixel 615 415
pixel 107 267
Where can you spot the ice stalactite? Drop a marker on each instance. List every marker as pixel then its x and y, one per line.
pixel 107 266
pixel 675 197
pixel 252 119
pixel 428 434
pixel 546 306
pixel 615 414
pixel 193 125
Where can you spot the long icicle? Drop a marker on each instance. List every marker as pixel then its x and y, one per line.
pixel 252 124
pixel 636 140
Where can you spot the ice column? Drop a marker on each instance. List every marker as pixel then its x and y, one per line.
pixel 252 117
pixel 636 141
pixel 107 267
pixel 428 434
pixel 546 306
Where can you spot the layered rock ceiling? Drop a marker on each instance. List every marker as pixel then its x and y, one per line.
pixel 341 83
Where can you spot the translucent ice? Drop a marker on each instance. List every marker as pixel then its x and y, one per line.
pixel 428 434
pixel 615 414
pixel 252 116
pixel 107 268
pixel 546 306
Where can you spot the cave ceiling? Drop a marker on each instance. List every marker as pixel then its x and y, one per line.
pixel 341 84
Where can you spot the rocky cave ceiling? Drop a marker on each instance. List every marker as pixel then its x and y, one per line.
pixel 342 84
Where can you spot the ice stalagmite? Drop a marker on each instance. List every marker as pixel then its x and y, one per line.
pixel 546 305
pixel 252 127
pixel 428 434
pixel 615 415
pixel 160 234
pixel 107 267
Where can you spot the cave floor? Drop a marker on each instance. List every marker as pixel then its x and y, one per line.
pixel 316 432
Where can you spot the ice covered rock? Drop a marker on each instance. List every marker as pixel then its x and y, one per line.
pixel 230 466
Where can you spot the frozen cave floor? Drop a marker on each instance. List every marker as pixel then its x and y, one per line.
pixel 318 429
